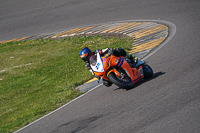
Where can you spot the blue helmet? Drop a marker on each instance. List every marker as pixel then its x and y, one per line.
pixel 85 53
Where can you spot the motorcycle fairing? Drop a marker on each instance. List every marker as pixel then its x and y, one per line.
pixel 139 74
pixel 98 65
pixel 133 73
pixel 120 62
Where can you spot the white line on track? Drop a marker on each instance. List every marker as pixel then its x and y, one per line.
pixel 172 31
pixel 59 108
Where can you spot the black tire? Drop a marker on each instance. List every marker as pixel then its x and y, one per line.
pixel 114 79
pixel 148 72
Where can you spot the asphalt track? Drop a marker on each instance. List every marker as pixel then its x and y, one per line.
pixel 169 102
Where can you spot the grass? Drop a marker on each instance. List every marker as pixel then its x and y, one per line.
pixel 38 76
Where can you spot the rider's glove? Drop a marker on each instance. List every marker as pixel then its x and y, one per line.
pixel 87 65
pixel 110 51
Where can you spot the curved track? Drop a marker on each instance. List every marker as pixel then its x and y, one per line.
pixel 169 102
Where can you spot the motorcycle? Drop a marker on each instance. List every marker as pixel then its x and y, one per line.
pixel 119 70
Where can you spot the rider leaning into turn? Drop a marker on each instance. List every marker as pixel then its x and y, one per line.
pixel 86 53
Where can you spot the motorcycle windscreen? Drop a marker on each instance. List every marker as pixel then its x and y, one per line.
pixel 96 63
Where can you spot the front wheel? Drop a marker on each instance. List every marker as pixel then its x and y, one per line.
pixel 124 82
pixel 148 72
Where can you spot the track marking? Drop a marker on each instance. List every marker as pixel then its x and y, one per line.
pixel 148 45
pixel 7 69
pixel 94 79
pixel 121 27
pixel 18 39
pixel 149 31
pixel 72 31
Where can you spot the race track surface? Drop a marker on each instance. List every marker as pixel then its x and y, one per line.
pixel 167 103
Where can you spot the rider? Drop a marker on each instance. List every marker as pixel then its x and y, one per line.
pixel 86 53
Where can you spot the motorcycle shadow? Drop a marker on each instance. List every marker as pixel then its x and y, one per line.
pixel 142 81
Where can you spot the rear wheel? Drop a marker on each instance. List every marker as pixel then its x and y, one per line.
pixel 123 82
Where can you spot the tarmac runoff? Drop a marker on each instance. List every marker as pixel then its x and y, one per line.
pixel 148 35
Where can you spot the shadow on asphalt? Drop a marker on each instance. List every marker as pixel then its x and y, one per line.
pixel 155 75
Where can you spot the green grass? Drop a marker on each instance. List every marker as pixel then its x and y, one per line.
pixel 38 76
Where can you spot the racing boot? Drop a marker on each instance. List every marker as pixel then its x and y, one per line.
pixel 107 83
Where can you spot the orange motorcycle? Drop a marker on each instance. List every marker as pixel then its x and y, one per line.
pixel 119 70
